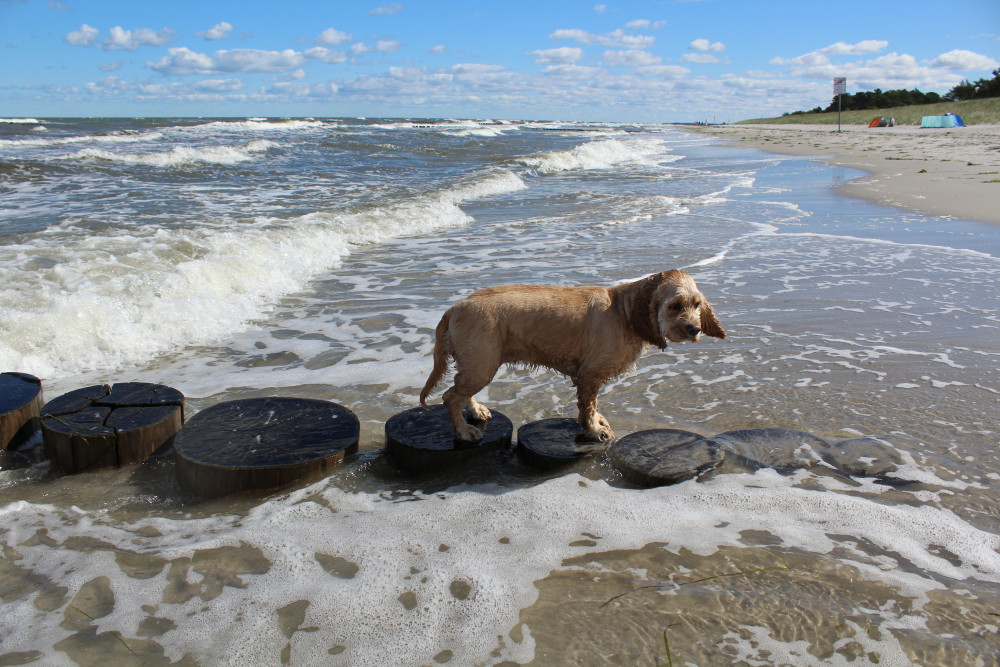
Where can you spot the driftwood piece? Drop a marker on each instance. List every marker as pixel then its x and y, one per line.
pixel 107 426
pixel 20 408
pixel 422 440
pixel 262 444
pixel 552 443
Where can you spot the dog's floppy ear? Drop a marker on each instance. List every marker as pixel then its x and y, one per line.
pixel 710 324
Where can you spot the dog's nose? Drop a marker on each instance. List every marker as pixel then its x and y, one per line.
pixel 692 330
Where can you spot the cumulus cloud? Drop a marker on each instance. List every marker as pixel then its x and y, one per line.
pixel 438 50
pixel 820 56
pixel 703 44
pixel 183 61
pixel 218 31
pixel 859 49
pixel 600 9
pixel 120 39
pixel 325 55
pixel 645 24
pixel 386 10
pixel 333 37
pixel 700 58
pixel 85 35
pixel 664 71
pixel 960 60
pixel 387 46
pixel 219 85
pixel 617 39
pixel 630 58
pixel 563 55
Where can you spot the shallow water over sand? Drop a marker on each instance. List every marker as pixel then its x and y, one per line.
pixel 845 320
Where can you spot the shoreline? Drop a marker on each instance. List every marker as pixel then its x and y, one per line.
pixel 952 173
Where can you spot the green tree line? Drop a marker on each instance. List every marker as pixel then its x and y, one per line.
pixel 887 99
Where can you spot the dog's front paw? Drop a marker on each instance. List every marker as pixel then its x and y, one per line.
pixel 599 434
pixel 468 433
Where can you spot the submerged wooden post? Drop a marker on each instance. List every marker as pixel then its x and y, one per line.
pixel 20 408
pixel 555 442
pixel 261 444
pixel 422 440
pixel 106 426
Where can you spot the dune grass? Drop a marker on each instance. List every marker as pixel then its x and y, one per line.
pixel 973 112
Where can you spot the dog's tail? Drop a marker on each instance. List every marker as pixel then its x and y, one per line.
pixel 440 359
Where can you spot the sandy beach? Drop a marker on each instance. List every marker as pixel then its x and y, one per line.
pixel 948 172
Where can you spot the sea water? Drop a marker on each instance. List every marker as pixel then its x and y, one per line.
pixel 234 258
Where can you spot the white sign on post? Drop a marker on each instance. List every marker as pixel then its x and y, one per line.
pixel 839 88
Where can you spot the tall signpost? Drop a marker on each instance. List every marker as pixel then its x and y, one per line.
pixel 839 88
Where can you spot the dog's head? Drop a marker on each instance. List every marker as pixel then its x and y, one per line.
pixel 681 311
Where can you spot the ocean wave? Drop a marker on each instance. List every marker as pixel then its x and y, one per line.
pixel 180 156
pixel 20 121
pixel 115 138
pixel 103 302
pixel 259 125
pixel 602 154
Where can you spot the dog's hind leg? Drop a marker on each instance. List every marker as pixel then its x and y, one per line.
pixel 461 395
pixel 477 410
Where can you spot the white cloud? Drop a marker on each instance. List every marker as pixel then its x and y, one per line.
pixel 130 40
pixel 387 10
pixel 438 50
pixel 617 38
pixel 960 60
pixel 218 31
pixel 219 85
pixel 580 72
pixel 859 49
pixel 182 61
pixel 630 58
pixel 699 58
pixel 819 56
pixel 664 71
pixel 465 68
pixel 58 6
pixel 325 55
pixel 113 66
pixel 600 9
pixel 85 35
pixel 563 55
pixel 333 37
pixel 387 46
pixel 703 44
pixel 645 23
pixel 359 49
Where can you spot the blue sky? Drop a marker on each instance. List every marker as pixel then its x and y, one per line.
pixel 671 60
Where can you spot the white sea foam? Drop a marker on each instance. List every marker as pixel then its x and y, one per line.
pixel 258 125
pixel 21 121
pixel 123 298
pixel 602 154
pixel 112 138
pixel 180 156
pixel 499 544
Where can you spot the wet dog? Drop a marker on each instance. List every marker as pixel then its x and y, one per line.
pixel 592 334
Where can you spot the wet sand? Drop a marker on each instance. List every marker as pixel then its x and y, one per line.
pixel 952 172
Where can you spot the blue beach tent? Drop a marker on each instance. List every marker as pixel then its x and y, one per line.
pixel 946 120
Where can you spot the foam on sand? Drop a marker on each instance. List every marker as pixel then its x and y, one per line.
pixel 377 578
